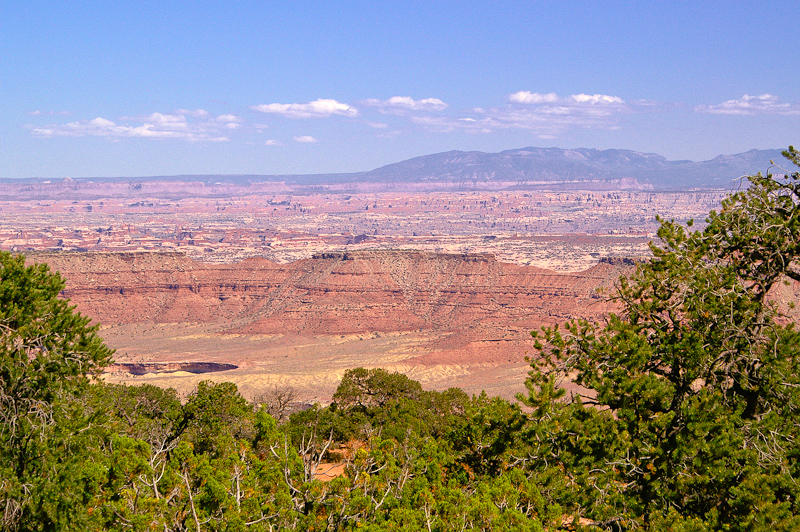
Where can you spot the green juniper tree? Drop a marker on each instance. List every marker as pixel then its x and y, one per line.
pixel 48 353
pixel 693 416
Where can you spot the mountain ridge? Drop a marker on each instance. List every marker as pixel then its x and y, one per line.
pixel 529 168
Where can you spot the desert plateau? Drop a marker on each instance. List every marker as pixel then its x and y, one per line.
pixel 291 290
pixel 438 267
pixel 444 319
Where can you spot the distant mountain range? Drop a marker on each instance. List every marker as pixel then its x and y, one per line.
pixel 521 169
pixel 574 168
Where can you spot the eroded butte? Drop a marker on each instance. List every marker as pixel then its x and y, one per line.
pixel 444 319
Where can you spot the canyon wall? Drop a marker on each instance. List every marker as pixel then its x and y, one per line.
pixel 331 293
pixel 444 319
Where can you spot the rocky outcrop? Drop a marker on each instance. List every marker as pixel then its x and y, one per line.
pixel 332 293
pixel 624 261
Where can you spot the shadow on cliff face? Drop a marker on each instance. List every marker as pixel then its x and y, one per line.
pixel 168 367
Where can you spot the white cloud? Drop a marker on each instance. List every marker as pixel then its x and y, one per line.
pixel 102 127
pixel 229 121
pixel 597 99
pixel 653 105
pixel 150 131
pixel 101 123
pixel 273 142
pixel 532 97
pixel 229 118
pixel 306 139
pixel 317 109
pixel 406 103
pixel 377 125
pixel 536 98
pixel 765 104
pixel 155 125
pixel 546 115
pixel 168 122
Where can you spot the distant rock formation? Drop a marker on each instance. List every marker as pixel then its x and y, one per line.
pixel 332 293
pixel 625 261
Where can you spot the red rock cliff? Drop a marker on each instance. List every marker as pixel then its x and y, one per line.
pixel 331 293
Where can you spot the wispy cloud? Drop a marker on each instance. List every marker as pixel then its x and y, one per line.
pixel 197 113
pixel 38 112
pixel 156 126
pixel 546 114
pixel 597 99
pixel 317 109
pixel 445 124
pixel 765 104
pixel 228 118
pixel 527 97
pixel 401 104
pixel 229 121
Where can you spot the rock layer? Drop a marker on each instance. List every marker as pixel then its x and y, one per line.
pixel 446 320
pixel 332 293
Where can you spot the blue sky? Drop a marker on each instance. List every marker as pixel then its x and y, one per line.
pixel 210 87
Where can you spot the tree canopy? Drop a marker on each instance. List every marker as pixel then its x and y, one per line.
pixel 696 382
pixel 48 353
